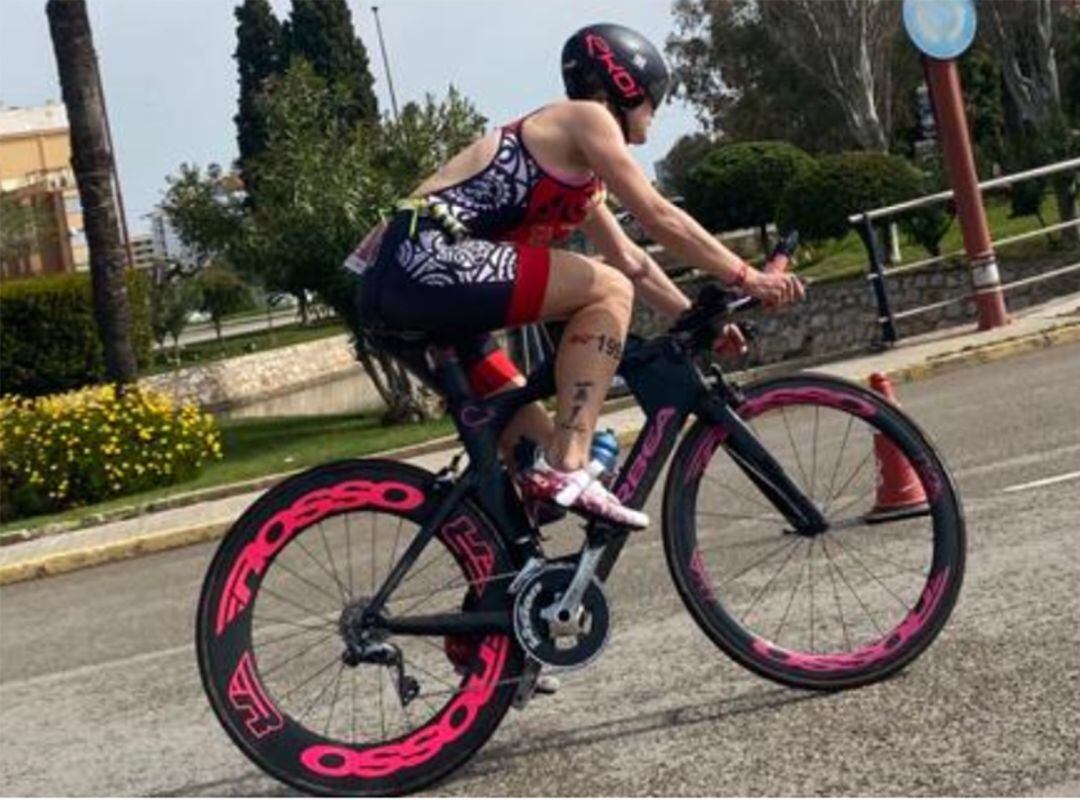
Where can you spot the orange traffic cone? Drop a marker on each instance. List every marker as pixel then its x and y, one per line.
pixel 899 489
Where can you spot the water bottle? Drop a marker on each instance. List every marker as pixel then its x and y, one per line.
pixel 604 455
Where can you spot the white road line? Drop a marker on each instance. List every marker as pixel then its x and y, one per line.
pixel 1020 487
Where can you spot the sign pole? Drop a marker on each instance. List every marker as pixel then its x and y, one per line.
pixel 942 30
pixel 943 78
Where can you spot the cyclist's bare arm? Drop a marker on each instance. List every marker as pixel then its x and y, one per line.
pixel 602 144
pixel 649 279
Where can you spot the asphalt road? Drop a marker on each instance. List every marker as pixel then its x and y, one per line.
pixel 99 692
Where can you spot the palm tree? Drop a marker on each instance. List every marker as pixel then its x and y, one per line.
pixel 92 162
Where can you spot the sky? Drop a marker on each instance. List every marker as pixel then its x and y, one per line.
pixel 170 79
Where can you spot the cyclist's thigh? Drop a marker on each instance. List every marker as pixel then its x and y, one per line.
pixel 576 281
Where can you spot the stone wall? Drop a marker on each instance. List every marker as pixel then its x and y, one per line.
pixel 841 316
pixel 237 382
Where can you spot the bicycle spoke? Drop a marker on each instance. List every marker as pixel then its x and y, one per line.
pixel 434 677
pixel 857 560
pixel 922 573
pixel 293 603
pixel 794 449
pixel 760 561
pixel 278 562
pixel 393 553
pixel 810 565
pixel 847 483
pixel 322 566
pixel 791 600
pixel 352 693
pixel 829 566
pixel 753 602
pixel 859 600
pixel 747 497
pixel 304 651
pixel 839 458
pixel 856 501
pixel 311 677
pixel 748 517
pixel 290 636
pixel 374 525
pixel 333 701
pixel 319 696
pixel 382 706
pixel 348 553
pixel 294 624
pixel 454 583
pixel 813 456
pixel 330 555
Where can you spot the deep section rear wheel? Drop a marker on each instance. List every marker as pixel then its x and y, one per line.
pixel 285 591
pixel 840 609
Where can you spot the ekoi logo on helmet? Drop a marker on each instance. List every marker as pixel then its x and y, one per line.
pixel 599 49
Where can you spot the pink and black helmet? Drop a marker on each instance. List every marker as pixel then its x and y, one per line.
pixel 617 64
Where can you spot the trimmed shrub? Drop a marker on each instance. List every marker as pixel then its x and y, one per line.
pixel 740 185
pixel 48 339
pixel 819 201
pixel 83 447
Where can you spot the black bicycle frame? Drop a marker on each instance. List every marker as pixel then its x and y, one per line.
pixel 668 386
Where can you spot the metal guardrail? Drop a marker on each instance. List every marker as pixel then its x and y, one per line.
pixel 864 223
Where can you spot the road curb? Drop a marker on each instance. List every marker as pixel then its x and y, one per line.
pixel 986 354
pixel 69 561
pixel 72 560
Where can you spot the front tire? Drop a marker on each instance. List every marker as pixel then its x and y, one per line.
pixel 886 578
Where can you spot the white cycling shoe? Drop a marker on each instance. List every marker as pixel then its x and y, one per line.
pixel 580 491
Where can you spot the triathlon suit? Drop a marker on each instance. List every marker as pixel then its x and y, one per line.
pixel 473 257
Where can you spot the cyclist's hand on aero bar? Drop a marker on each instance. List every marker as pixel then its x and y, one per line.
pixel 775 289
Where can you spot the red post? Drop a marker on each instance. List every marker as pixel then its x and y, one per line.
pixel 943 78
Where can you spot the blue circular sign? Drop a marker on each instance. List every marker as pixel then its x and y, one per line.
pixel 942 29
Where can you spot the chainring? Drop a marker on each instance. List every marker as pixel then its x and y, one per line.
pixel 533 631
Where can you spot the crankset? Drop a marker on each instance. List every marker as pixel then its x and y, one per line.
pixel 554 633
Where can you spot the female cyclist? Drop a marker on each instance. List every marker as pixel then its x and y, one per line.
pixel 471 251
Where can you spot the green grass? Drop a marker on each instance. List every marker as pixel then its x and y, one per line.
pixel 846 258
pixel 259 447
pixel 243 344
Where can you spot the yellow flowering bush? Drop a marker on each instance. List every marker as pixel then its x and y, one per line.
pixel 82 447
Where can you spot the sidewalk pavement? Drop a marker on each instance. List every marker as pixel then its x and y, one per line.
pixel 913 359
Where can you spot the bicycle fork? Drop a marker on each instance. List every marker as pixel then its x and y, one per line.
pixel 765 472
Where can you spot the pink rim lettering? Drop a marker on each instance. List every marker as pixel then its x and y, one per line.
pixel 306 511
pixel 826 397
pixel 700 576
pixel 872 653
pixel 248 697
pixel 335 761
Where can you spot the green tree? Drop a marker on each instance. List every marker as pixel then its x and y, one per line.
pixel 173 296
pixel 321 32
pixel 684 155
pixel 92 162
pixel 204 210
pixel 742 86
pixel 259 55
pixel 818 201
pixel 740 185
pixel 323 184
pixel 426 136
pixel 24 228
pixel 221 292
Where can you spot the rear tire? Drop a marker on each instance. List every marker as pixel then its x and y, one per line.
pixel 270 643
pixel 886 582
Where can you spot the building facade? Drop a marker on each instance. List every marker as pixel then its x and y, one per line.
pixel 43 219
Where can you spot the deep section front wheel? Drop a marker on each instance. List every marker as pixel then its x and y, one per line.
pixel 279 632
pixel 834 610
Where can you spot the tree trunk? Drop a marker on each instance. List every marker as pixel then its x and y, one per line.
pixel 92 163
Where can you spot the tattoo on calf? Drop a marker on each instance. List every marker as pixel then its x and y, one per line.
pixel 605 345
pixel 580 399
